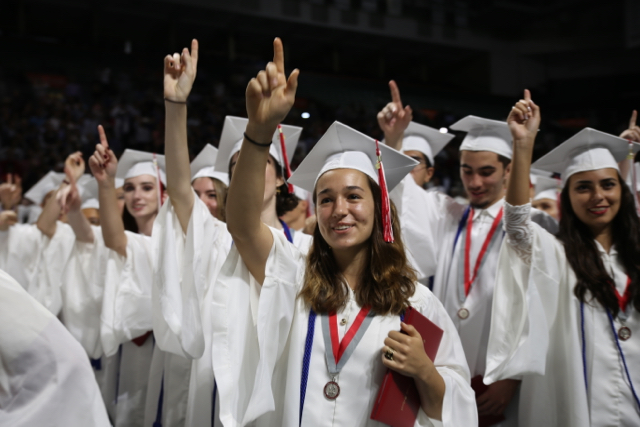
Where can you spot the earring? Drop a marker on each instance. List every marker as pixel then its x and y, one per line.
pixel 277 190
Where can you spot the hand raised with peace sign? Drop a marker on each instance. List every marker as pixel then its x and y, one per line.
pixel 270 96
pixel 524 121
pixel 393 119
pixel 103 162
pixel 633 133
pixel 180 73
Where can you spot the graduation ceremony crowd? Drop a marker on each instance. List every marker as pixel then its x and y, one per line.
pixel 151 290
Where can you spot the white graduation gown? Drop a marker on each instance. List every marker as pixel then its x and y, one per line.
pixel 258 345
pixel 45 377
pixel 36 261
pixel 187 267
pixel 536 329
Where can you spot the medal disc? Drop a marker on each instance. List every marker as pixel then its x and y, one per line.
pixel 331 390
pixel 463 313
pixel 624 333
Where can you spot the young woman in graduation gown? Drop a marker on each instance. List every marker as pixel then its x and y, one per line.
pixel 566 307
pixel 270 299
pixel 192 244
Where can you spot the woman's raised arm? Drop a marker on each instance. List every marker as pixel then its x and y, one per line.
pixel 179 74
pixel 270 96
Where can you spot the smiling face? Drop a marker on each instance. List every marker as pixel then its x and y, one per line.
pixel 345 209
pixel 595 197
pixel 206 191
pixel 141 196
pixel 484 177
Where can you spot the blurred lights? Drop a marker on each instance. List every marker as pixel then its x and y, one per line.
pixel 305 115
pixel 444 130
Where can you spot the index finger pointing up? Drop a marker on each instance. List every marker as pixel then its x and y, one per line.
pixel 527 95
pixel 194 50
pixel 632 122
pixel 395 92
pixel 278 55
pixel 103 137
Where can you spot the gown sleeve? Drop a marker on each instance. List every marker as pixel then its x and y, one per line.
pixel 459 403
pixel 126 307
pixel 422 218
pixel 186 265
pixel 525 299
pixel 83 290
pixel 45 376
pixel 55 255
pixel 250 338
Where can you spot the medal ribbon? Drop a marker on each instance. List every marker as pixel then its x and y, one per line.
pixel 623 300
pixel 338 352
pixel 468 281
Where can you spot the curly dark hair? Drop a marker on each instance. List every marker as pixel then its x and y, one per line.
pixel 387 282
pixel 584 259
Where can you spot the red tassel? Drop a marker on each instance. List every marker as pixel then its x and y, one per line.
pixel 387 229
pixel 285 159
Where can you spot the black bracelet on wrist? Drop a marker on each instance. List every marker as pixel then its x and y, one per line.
pixel 175 102
pixel 256 142
pixel 66 181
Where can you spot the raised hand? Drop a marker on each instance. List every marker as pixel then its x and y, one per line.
pixel 103 162
pixel 633 133
pixel 68 197
pixel 524 120
pixel 74 164
pixel 270 96
pixel 180 72
pixel 11 191
pixel 7 219
pixel 394 118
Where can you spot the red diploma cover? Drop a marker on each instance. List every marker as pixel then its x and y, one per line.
pixel 479 387
pixel 398 401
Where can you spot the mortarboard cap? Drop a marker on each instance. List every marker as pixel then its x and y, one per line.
pixel 546 188
pixel 342 147
pixel 427 140
pixel 587 150
pixel 51 181
pixel 203 165
pixel 233 134
pixel 485 135
pixel 134 163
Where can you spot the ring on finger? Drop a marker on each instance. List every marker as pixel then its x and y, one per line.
pixel 389 353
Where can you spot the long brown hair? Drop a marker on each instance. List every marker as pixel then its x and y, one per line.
pixel 387 279
pixel 584 259
pixel 221 198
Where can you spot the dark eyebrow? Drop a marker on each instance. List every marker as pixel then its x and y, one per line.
pixel 585 181
pixel 464 165
pixel 326 190
pixel 354 187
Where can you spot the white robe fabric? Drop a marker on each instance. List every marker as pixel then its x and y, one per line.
pixel 187 267
pixel 45 376
pixel 430 222
pixel 536 329
pixel 36 261
pixel 258 345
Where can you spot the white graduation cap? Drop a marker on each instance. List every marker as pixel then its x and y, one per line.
pixel 546 188
pixel 535 173
pixel 134 163
pixel 47 183
pixel 300 193
pixel 342 147
pixel 485 135
pixel 587 150
pixel 233 134
pixel 425 139
pixel 203 165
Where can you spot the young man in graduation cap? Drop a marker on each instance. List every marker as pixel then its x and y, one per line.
pixel 459 244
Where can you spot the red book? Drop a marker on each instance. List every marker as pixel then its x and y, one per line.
pixel 398 401
pixel 479 387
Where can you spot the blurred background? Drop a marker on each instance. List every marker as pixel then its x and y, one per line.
pixel 69 65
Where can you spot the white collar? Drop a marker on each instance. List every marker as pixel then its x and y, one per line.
pixel 492 210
